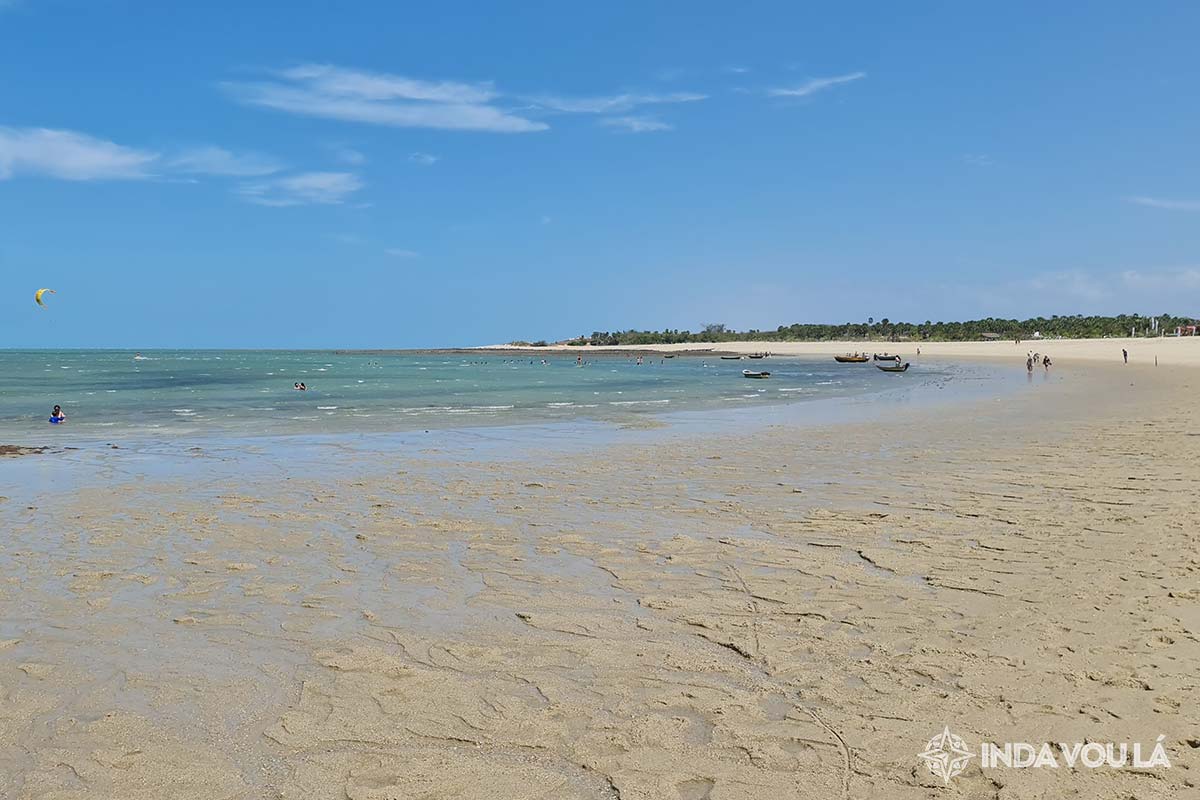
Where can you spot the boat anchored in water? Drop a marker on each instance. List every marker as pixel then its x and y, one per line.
pixel 749 373
pixel 897 368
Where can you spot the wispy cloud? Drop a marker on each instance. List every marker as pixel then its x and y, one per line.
pixel 331 92
pixel 424 159
pixel 1166 281
pixel 814 85
pixel 399 252
pixel 636 124
pixel 978 160
pixel 348 155
pixel 219 161
pixel 69 155
pixel 1170 205
pixel 306 188
pixel 1073 284
pixel 611 104
pixel 343 82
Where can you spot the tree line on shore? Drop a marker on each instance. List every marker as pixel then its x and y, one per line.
pixel 1066 327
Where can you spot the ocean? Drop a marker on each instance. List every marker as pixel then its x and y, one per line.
pixel 177 394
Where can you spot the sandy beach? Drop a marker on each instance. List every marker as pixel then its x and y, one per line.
pixel 1170 350
pixel 789 612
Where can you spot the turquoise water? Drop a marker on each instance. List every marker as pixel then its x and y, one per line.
pixel 172 394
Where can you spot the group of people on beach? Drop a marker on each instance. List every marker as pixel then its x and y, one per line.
pixel 1033 358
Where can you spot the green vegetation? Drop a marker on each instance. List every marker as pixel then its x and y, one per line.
pixel 1074 327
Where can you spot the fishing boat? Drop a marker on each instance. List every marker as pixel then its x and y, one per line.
pixel 898 368
pixel 849 359
pixel 887 357
pixel 669 355
pixel 749 373
pixel 731 358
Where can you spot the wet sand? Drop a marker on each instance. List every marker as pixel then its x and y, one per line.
pixel 787 612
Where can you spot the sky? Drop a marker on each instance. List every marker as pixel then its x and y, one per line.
pixel 371 174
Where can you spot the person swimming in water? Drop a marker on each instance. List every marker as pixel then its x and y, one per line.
pixel 57 417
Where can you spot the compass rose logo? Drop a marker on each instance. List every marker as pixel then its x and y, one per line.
pixel 946 755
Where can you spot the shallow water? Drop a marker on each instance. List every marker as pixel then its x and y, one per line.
pixel 168 395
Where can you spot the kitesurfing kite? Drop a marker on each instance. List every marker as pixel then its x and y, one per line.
pixel 37 297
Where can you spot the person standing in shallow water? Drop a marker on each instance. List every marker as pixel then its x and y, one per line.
pixel 1125 355
pixel 57 417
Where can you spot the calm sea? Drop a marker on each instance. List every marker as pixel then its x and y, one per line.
pixel 172 394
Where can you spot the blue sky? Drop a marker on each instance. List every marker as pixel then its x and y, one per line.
pixel 320 174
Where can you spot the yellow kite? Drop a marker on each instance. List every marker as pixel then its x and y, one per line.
pixel 37 297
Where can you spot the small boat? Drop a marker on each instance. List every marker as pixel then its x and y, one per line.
pixel 749 373
pixel 757 355
pixel 731 358
pixel 847 359
pixel 897 368
pixel 668 355
pixel 887 357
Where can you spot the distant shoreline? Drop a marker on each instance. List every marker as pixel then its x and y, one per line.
pixel 1169 350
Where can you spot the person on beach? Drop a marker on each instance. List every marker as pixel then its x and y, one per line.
pixel 1046 363
pixel 57 417
pixel 1029 364
pixel 1125 355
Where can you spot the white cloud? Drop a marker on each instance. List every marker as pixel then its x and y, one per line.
pixel 1170 205
pixel 424 159
pixel 219 161
pixel 338 81
pixel 1086 291
pixel 69 156
pixel 1168 281
pixel 736 70
pixel 398 252
pixel 814 85
pixel 1074 284
pixel 306 188
pixel 978 160
pixel 611 104
pixel 348 155
pixel 381 99
pixel 636 124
